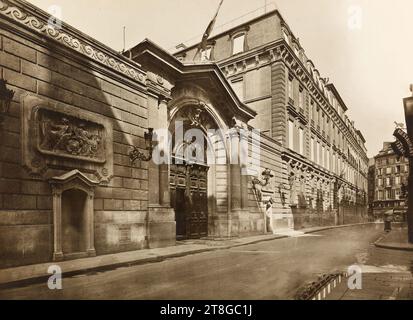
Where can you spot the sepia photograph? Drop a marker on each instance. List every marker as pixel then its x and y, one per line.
pixel 206 150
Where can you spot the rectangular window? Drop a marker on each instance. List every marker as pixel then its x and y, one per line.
pixel 290 88
pixel 323 121
pixel 339 165
pixel 312 146
pixel 388 182
pixel 318 153
pixel 380 182
pixel 291 134
pixel 301 141
pixel 323 159
pixel 388 170
pixel 388 194
pixel 301 99
pixel 380 195
pixel 310 111
pixel 328 159
pixel 238 44
pixel 397 181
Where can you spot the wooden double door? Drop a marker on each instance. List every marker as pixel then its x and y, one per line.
pixel 189 198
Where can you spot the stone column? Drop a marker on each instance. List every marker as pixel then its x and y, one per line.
pixel 243 169
pixel 238 183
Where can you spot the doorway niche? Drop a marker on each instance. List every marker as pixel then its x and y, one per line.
pixel 73 216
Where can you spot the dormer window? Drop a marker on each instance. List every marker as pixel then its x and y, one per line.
pixel 206 54
pixel 238 44
pixel 181 57
pixel 286 36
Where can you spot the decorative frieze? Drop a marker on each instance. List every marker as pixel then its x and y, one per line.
pixel 40 25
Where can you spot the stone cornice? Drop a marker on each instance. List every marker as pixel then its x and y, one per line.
pixel 36 20
pixel 308 165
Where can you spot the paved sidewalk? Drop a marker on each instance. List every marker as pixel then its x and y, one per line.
pixel 34 273
pixel 396 239
pixel 386 271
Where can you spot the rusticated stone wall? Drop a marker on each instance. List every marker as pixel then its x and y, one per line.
pixel 71 85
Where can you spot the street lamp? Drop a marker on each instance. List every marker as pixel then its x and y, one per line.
pixel 6 96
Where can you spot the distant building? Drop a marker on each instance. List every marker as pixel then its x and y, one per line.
pixel 391 175
pixel 371 185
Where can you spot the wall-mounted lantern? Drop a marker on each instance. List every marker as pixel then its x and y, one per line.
pixel 6 95
pixel 135 154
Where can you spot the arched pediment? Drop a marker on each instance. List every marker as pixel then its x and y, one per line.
pixel 207 78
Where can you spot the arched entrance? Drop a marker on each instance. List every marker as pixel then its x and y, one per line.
pixel 192 170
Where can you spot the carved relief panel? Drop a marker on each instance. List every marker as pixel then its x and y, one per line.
pixel 66 136
pixel 56 135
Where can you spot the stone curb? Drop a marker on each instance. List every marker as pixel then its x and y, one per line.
pixel 161 257
pixel 392 245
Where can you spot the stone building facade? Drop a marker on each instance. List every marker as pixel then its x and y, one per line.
pixel 323 154
pixel 371 185
pixel 391 177
pixel 79 110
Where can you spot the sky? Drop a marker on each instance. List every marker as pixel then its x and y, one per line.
pixel 365 47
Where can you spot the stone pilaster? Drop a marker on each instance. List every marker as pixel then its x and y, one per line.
pixel 161 225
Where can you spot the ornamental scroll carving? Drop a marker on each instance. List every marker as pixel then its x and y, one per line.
pixel 60 136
